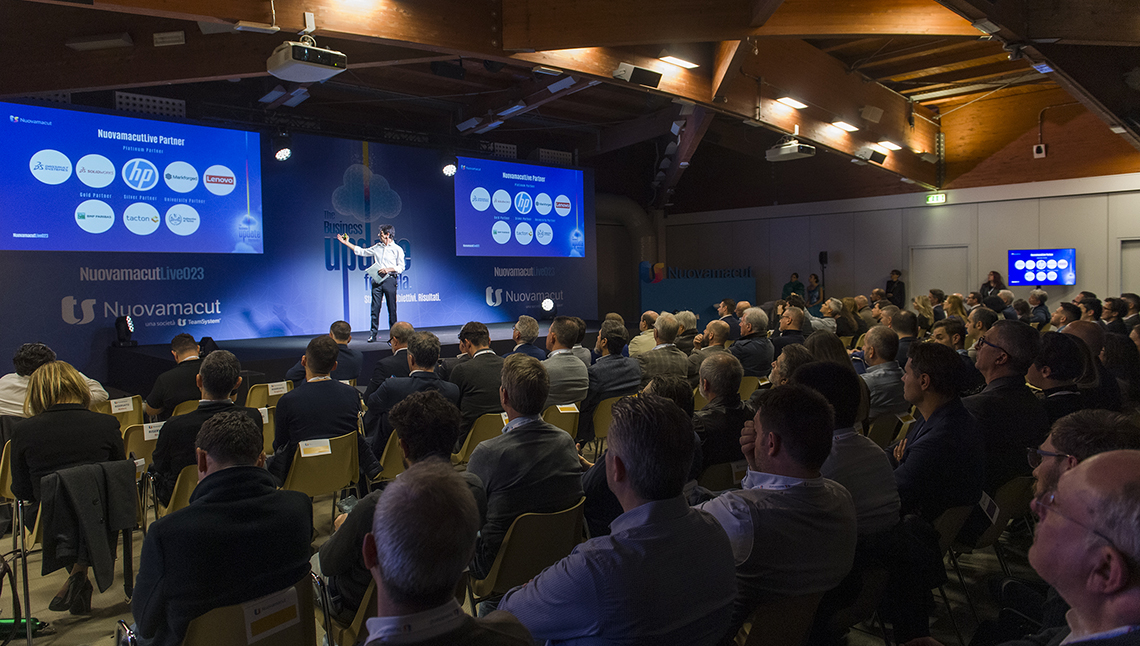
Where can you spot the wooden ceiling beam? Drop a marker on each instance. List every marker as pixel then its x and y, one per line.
pixel 729 57
pixel 696 125
pixel 980 74
pixel 912 55
pixel 762 10
pixel 937 65
pixel 632 132
pixel 529 104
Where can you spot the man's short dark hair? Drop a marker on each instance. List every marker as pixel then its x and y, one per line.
pixel 938 295
pixel 321 354
pixel 427 422
pixel 940 363
pixel 389 229
pixel 905 323
pixel 615 335
pixel 424 349
pixel 1093 305
pixel 564 329
pixel 879 294
pixel 1116 305
pixel 1132 299
pixel 231 438
pixel 581 323
pixel 1021 306
pixel 1020 341
pixel 795 300
pixel 341 331
pixel 995 303
pixel 977 296
pixel 953 328
pixel 1062 354
pixel 1085 294
pixel 1086 433
pixel 729 305
pixel 31 356
pixel 220 371
pixel 839 386
pixel 885 341
pixel 527 385
pixel 676 389
pixel 985 316
pixel 649 318
pixel 802 419
pixel 896 272
pixel 654 439
pixel 723 372
pixel 1072 312
pixel 476 334
pixel 183 343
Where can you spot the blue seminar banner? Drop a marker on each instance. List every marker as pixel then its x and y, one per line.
pixel 305 279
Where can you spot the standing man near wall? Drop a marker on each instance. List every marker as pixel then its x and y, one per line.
pixel 389 257
pixel 896 289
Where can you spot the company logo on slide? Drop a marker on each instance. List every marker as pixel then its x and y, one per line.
pixel 523 233
pixel 543 233
pixel 542 203
pixel 140 174
pixel 181 177
pixel 562 205
pixel 480 199
pixel 182 219
pixel 94 216
pixel 219 180
pixel 67 307
pixel 95 171
pixel 501 201
pixel 501 232
pixel 141 218
pixel 494 297
pixel 523 203
pixel 50 166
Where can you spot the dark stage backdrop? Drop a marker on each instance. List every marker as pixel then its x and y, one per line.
pixel 305 279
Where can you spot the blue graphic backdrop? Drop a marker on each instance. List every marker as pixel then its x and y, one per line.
pixel 305 279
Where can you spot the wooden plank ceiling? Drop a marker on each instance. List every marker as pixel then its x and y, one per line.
pixel 442 72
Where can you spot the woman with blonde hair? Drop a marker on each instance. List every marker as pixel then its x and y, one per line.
pixel 924 312
pixel 60 433
pixel 957 308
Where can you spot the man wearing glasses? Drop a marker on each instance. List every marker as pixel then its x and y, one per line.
pixel 388 257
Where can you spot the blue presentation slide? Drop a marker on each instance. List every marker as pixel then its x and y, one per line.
pixel 1042 267
pixel 84 181
pixel 510 209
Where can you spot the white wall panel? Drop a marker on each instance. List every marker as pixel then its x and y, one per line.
pixel 1082 223
pixel 789 250
pixel 1123 228
pixel 1003 226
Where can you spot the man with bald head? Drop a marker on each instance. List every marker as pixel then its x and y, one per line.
pixel 664 358
pixel 1106 394
pixel 791 330
pixel 864 308
pixel 713 338
pixel 643 342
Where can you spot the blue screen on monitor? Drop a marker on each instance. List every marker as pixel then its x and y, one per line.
pixel 84 181
pixel 509 209
pixel 1042 267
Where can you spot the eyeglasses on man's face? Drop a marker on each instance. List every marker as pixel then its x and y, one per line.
pixel 1035 456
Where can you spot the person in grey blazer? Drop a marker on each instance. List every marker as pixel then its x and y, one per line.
pixel 477 377
pixel 569 378
pixel 612 375
pixel 664 358
pixel 884 376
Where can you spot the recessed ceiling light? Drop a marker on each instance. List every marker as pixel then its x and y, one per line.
pixel 890 145
pixel 843 125
pixel 791 103
pixel 679 62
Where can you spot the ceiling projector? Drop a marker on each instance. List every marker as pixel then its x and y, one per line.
pixel 787 151
pixel 305 62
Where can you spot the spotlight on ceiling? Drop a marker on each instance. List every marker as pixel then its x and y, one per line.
pixel 680 55
pixel 282 146
pixel 844 126
pixel 791 103
pixel 889 145
pixel 449 164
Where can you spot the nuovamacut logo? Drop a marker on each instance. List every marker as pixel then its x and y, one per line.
pixel 67 307
pixel 50 166
pixel 140 174
pixel 181 177
pixel 219 180
pixel 494 297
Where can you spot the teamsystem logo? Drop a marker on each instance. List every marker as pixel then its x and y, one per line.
pixel 494 297
pixel 67 306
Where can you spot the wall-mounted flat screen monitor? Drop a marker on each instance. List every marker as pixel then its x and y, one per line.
pixel 87 181
pixel 1030 267
pixel 511 209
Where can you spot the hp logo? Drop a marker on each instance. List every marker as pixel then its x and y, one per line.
pixel 140 174
pixel 523 203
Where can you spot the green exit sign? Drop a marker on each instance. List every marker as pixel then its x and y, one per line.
pixel 937 198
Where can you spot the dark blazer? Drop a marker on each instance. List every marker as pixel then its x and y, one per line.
pixel 610 376
pixel 239 539
pixel 348 363
pixel 313 411
pixel 444 367
pixel 177 385
pixel 393 365
pixel 1011 418
pixel 944 463
pixel 478 379
pixel 392 392
pixel 684 341
pixel 1107 393
pixel 896 292
pixel 784 339
pixel 175 448
pixel 733 326
pixel 718 426
pixel 662 361
pixel 528 349
pixel 65 435
pixel 755 353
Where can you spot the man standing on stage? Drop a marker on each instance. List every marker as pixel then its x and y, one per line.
pixel 389 258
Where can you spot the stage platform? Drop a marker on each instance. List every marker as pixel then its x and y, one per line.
pixel 132 371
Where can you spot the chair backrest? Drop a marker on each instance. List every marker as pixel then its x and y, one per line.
pixel 135 441
pixel 315 474
pixel 185 407
pixel 260 618
pixel 699 400
pixel 268 429
pixel 1048 327
pixel 748 385
pixel 564 416
pixel 6 472
pixel 906 421
pixel 357 632
pixel 949 523
pixel 126 416
pixel 1012 499
pixel 783 622
pixel 485 427
pixel 864 605
pixel 884 428
pixel 858 345
pixel 392 461
pixel 725 475
pixel 533 543
pixel 846 340
pixel 183 488
pixel 603 415
pixel 259 394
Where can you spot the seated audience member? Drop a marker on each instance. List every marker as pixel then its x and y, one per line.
pixel 61 432
pixel 348 360
pixel 396 364
pixel 687 321
pixel 218 378
pixel 825 346
pixel 664 358
pixel 1091 309
pixel 577 349
pixel 980 321
pixel 941 463
pixel 423 353
pixel 905 324
pixel 956 308
pixel 664 575
pixel 753 349
pixel 427 425
pixel 1008 312
pixel 793 531
pixel 1106 393
pixel 937 299
pixel 1122 360
pixel 726 309
pixel 1113 315
pixel 878 294
pixel 643 342
pixel 1082 296
pixel 861 326
pixel 1060 362
pixel 612 375
pixel 738 311
pixel 708 343
pixel 177 384
pixel 791 330
pixel 532 467
pixel 863 309
pixel 1024 312
pixel 1040 314
pixel 973 300
pixel 477 377
pixel 321 408
pixel 951 333
pixel 14 385
pixel 845 323
pixel 569 375
pixel 783 368
pixel 1132 315
pixel 718 424
pixel 923 313
pixel 883 376
pixel 1065 314
pixel 240 538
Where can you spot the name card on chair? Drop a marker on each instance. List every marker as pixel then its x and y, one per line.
pixel 150 431
pixel 347 382
pixel 271 614
pixel 277 388
pixel 264 414
pixel 140 466
pixel 123 405
pixel 505 420
pixel 568 408
pixel 313 448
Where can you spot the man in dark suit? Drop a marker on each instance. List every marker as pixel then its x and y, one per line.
pixel 896 289
pixel 712 340
pixel 937 298
pixel 177 384
pixel 1106 394
pixel 612 375
pixel 718 424
pixel 905 324
pixel 524 334
pixel 791 326
pixel 348 361
pixel 726 309
pixel 218 379
pixel 664 358
pixel 423 352
pixel 395 365
pixel 753 349
pixel 239 539
pixel 477 377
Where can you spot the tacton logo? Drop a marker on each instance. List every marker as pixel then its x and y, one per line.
pixel 67 306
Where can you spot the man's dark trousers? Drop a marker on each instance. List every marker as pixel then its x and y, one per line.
pixel 386 287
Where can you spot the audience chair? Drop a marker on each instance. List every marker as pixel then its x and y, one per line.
pixel 784 622
pixel 332 472
pixel 948 525
pixel 183 488
pixel 350 382
pixel 533 543
pixel 226 626
pixel 884 429
pixel 139 447
pixel 858 345
pixel 564 416
pixel 907 421
pixel 6 485
pixel 749 385
pixel 356 632
pixel 1048 327
pixel 259 397
pixel 185 407
pixel 392 461
pixel 126 418
pixel 485 427
pixel 846 340
pixel 699 400
pixel 603 415
pixel 865 606
pixel 268 428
